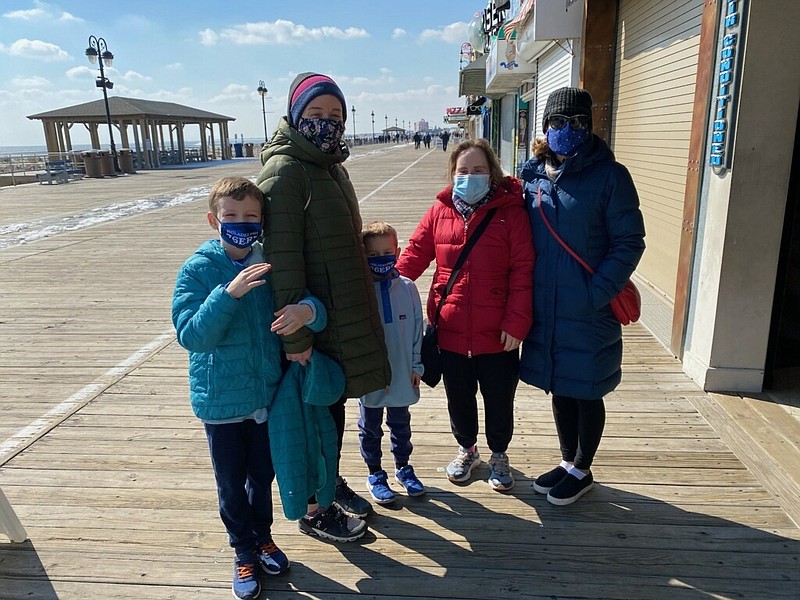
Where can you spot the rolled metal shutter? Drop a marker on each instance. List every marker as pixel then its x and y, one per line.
pixel 553 71
pixel 654 83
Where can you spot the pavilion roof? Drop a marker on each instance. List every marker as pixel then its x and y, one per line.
pixel 121 108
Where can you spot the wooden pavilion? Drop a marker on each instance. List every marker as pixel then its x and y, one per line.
pixel 158 129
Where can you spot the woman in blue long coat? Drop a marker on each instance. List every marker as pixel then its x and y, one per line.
pixel 574 348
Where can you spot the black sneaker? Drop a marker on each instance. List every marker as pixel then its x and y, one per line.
pixel 349 502
pixel 544 483
pixel 569 489
pixel 333 524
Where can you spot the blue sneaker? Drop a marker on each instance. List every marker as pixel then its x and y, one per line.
pixel 409 481
pixel 272 559
pixel 246 585
pixel 378 486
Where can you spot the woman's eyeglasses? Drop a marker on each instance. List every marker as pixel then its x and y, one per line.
pixel 576 121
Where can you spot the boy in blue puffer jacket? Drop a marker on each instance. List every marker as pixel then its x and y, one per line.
pixel 222 311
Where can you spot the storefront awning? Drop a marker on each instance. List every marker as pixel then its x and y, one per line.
pixel 472 78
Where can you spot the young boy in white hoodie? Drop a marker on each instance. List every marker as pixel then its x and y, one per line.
pixel 401 314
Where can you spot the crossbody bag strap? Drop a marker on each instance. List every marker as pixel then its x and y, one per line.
pixel 460 261
pixel 558 238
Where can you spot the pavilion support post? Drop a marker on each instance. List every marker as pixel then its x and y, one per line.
pixel 181 142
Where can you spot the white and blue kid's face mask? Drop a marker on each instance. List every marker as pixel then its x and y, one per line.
pixel 240 235
pixel 471 188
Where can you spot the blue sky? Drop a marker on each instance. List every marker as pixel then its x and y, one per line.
pixel 399 59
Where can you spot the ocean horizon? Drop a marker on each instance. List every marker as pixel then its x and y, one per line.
pixel 41 149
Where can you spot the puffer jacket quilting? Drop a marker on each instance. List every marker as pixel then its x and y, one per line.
pixel 575 345
pixel 313 241
pixel 493 290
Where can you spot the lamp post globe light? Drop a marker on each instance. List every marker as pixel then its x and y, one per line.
pixel 99 49
pixel 373 126
pixel 262 90
pixel 353 110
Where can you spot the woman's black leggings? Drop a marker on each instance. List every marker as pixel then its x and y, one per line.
pixel 580 426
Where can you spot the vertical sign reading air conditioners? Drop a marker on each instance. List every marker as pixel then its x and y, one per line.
pixel 726 84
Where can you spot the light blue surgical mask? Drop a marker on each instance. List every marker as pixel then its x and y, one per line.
pixel 240 235
pixel 471 188
pixel 381 265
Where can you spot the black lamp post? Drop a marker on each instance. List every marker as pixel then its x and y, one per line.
pixel 386 122
pixel 98 49
pixel 262 90
pixel 353 110
pixel 373 126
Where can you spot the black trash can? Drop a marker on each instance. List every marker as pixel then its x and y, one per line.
pixel 237 150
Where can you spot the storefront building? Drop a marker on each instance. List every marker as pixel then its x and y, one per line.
pixel 699 101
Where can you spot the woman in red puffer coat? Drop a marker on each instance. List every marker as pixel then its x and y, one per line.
pixel 489 309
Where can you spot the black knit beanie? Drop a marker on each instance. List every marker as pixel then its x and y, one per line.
pixel 568 101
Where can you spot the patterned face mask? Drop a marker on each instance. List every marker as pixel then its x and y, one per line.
pixel 325 134
pixel 565 141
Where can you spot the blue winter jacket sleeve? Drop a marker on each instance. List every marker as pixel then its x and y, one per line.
pixel 625 228
pixel 201 319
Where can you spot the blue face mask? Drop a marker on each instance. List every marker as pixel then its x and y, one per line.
pixel 325 134
pixel 381 265
pixel 565 141
pixel 241 235
pixel 471 188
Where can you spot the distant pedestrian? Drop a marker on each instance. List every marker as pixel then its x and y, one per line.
pixel 445 138
pixel 223 314
pixel 488 310
pixel 417 140
pixel 427 139
pixel 401 313
pixel 314 243
pixel 574 349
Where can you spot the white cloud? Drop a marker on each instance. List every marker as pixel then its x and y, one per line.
pixel 36 49
pixel 81 72
pixel 398 33
pixel 70 18
pixel 208 37
pixel 174 66
pixel 455 33
pixel 30 82
pixel 281 32
pixel 385 70
pixel 43 12
pixel 34 81
pixel 131 76
pixel 233 91
pixel 32 14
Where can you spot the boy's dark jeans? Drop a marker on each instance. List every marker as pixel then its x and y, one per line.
pixel 243 469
